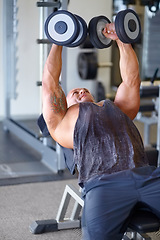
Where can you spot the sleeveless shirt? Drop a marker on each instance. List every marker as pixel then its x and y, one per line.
pixel 106 141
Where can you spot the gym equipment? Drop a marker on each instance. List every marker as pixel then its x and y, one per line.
pixel 142 221
pixel 82 33
pixel 51 158
pixel 61 27
pixel 127 25
pixel 56 4
pixel 95 29
pixel 149 103
pixel 152 5
pixel 65 29
pixel 88 66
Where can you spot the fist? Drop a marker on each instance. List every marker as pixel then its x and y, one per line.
pixel 110 32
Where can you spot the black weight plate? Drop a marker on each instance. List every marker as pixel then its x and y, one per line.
pixel 82 33
pixel 62 27
pixel 97 38
pixel 127 25
pixel 96 26
pixel 87 65
pixel 118 26
pixel 92 29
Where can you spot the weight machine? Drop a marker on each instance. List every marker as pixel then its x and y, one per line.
pixel 52 157
pixel 151 96
pixel 151 91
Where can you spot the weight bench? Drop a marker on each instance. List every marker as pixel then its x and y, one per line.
pixel 141 223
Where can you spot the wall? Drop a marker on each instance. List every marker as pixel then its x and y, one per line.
pixel 28 102
pixel 28 59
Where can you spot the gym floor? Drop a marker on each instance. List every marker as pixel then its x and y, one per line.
pixel 29 198
pixel 17 160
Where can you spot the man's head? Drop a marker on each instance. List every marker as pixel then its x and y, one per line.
pixel 78 95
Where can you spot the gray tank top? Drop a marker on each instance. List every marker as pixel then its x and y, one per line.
pixel 105 141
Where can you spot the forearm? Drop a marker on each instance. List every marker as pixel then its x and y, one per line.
pixel 129 66
pixel 53 65
pixel 53 97
pixel 51 74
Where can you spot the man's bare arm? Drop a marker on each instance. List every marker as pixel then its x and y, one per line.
pixel 127 97
pixel 54 100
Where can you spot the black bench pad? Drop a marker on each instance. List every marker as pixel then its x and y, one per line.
pixel 144 221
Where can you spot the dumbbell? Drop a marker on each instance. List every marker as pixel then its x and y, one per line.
pixel 65 29
pixel 127 26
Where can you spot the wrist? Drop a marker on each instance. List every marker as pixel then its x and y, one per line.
pixel 123 45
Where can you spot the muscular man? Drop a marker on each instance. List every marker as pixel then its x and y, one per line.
pixel 108 150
